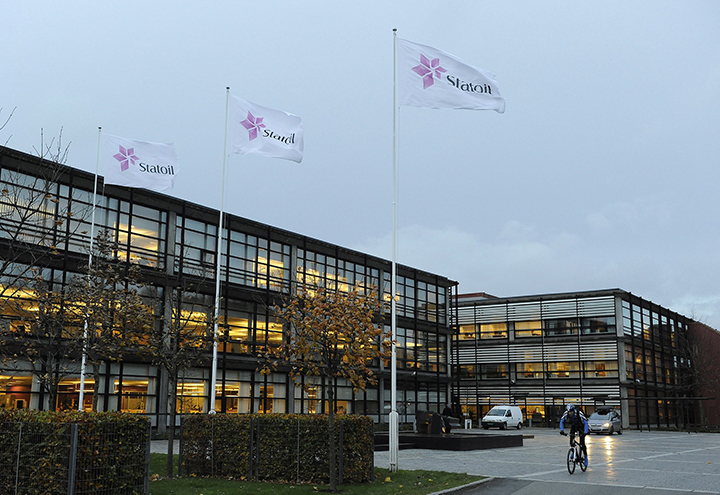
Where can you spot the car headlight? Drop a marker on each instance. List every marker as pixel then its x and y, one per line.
pixel 606 425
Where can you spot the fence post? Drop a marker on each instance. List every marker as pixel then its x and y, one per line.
pixel 251 453
pixel 17 463
pixel 341 453
pixel 146 481
pixel 297 457
pixel 180 448
pixel 72 458
pixel 257 448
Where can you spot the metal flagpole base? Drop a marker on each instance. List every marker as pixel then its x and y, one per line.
pixel 394 441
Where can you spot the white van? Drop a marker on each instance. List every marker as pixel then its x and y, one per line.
pixel 503 417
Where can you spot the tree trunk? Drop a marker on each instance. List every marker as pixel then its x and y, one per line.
pixel 331 432
pixel 172 395
pixel 96 389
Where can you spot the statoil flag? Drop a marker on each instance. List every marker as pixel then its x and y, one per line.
pixel 139 163
pixel 428 77
pixel 264 131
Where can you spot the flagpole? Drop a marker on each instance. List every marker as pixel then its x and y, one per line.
pixel 83 361
pixel 394 440
pixel 213 379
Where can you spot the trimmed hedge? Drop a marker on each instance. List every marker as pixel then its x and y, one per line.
pixel 111 452
pixel 277 447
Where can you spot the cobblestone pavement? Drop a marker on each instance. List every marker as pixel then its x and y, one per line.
pixel 667 461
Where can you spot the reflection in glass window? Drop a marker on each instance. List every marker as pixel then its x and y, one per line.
pixel 494 370
pixel 598 324
pixel 562 326
pixel 195 247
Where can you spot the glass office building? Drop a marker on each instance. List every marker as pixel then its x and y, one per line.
pixel 175 243
pixel 600 348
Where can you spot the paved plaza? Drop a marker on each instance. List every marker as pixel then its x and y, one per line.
pixel 635 462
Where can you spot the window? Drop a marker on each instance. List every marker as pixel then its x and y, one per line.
pixel 15 391
pixel 190 396
pixel 528 328
pixel 317 269
pixel 563 369
pixel 491 371
pixel 598 324
pixel 493 331
pixel 255 262
pixel 144 237
pixel 468 371
pixel 563 326
pixel 529 370
pixel 133 395
pixel 467 332
pixel 421 350
pixel 195 243
pixel 600 369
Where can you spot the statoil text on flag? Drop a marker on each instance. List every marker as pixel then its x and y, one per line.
pixel 428 77
pixel 264 131
pixel 138 163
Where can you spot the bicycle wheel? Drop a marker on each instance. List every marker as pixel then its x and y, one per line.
pixel 571 460
pixel 581 460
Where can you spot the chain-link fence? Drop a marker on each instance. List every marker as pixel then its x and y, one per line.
pixel 73 459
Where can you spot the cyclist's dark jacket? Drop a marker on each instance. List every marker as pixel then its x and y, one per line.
pixel 577 422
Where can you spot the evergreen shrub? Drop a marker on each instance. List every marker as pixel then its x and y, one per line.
pixel 276 447
pixel 111 452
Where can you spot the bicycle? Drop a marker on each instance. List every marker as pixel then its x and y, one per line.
pixel 575 455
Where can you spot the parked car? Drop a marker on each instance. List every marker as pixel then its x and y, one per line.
pixel 605 421
pixel 503 417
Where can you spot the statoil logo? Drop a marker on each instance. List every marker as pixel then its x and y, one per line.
pixel 256 128
pixel 430 70
pixel 127 158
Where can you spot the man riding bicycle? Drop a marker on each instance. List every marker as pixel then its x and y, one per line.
pixel 578 424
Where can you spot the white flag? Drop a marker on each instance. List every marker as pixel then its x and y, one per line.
pixel 264 131
pixel 139 163
pixel 428 77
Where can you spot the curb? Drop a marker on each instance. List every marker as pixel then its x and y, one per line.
pixel 463 487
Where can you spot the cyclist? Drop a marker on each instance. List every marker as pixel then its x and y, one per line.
pixel 578 424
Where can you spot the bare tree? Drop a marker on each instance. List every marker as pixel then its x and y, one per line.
pixel 6 122
pixel 34 217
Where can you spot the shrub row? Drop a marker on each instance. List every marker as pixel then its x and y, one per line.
pixel 36 449
pixel 277 447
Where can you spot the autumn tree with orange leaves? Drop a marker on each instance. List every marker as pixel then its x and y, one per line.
pixel 331 334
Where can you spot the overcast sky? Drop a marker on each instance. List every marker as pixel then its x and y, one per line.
pixel 603 172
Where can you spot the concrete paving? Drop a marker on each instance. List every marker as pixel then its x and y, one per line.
pixel 634 463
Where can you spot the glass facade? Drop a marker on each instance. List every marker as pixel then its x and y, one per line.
pixel 175 243
pixel 546 351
